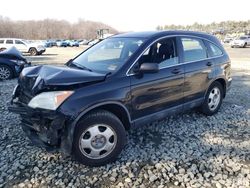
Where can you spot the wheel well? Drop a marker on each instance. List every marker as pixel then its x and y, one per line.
pixel 32 48
pixel 117 110
pixel 223 83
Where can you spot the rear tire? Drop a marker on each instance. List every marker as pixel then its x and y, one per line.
pixel 99 138
pixel 245 45
pixel 33 51
pixel 213 99
pixel 5 72
pixel 2 49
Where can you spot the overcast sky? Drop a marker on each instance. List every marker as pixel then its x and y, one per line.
pixel 129 15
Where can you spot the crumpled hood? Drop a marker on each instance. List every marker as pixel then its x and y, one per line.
pixel 12 53
pixel 37 78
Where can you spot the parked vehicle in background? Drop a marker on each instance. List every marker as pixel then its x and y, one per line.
pixel 228 39
pixel 51 43
pixel 242 42
pixel 129 79
pixel 61 43
pixel 22 45
pixel 73 43
pixel 83 42
pixel 11 63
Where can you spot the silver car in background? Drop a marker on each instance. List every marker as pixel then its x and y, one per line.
pixel 242 42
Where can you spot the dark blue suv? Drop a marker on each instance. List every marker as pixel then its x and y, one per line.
pixel 85 107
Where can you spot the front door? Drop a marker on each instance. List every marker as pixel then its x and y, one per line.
pixel 20 46
pixel 154 93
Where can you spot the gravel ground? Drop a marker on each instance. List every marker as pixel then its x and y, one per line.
pixel 188 150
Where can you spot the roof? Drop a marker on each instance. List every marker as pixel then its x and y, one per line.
pixel 149 34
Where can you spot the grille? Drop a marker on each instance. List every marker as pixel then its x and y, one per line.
pixel 24 97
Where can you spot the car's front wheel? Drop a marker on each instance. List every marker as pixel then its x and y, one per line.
pixel 5 72
pixel 33 51
pixel 99 138
pixel 213 99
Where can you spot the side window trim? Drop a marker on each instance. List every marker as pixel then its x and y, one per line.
pixel 204 46
pixel 179 50
pixel 210 52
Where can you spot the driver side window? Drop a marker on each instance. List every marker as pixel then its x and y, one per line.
pixel 162 52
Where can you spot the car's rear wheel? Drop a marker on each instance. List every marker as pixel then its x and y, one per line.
pixel 33 51
pixel 5 72
pixel 99 138
pixel 213 99
pixel 2 49
pixel 245 45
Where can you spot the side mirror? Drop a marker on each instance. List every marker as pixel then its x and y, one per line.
pixel 149 68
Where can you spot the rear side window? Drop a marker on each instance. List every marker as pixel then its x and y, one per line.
pixel 215 50
pixel 9 42
pixel 194 49
pixel 1 41
pixel 18 42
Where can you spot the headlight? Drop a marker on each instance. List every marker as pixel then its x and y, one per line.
pixel 49 100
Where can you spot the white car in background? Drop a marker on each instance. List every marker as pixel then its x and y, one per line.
pixel 242 42
pixel 22 45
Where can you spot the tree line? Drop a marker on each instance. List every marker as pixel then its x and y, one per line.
pixel 225 27
pixel 51 29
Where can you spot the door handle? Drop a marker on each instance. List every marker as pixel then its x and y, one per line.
pixel 176 71
pixel 209 64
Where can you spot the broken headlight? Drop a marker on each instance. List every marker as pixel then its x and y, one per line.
pixel 49 100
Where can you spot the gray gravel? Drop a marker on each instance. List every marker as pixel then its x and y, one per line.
pixel 189 150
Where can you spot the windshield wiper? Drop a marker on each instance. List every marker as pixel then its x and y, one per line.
pixel 80 66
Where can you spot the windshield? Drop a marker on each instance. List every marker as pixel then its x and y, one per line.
pixel 108 55
pixel 243 38
pixel 26 41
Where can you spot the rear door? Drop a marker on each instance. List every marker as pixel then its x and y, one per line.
pixel 9 43
pixel 198 69
pixel 154 93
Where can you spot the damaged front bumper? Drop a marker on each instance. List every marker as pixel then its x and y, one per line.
pixel 45 128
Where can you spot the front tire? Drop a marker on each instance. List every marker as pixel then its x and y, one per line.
pixel 5 72
pixel 213 99
pixel 99 138
pixel 33 51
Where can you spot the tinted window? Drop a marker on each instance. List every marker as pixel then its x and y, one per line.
pixel 9 42
pixel 215 50
pixel 1 41
pixel 162 52
pixel 194 49
pixel 18 42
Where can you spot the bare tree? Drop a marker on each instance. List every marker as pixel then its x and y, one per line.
pixel 50 29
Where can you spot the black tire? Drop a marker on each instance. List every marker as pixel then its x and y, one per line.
pixel 2 49
pixel 205 109
pixel 245 45
pixel 33 51
pixel 96 119
pixel 5 72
